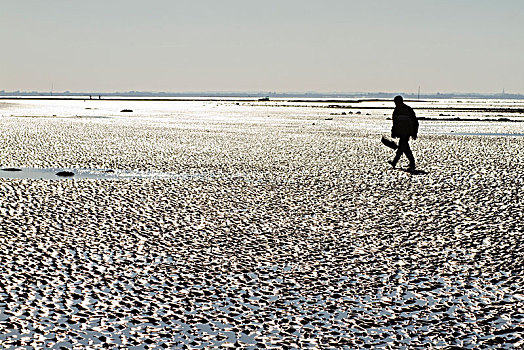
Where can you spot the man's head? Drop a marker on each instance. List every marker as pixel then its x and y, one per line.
pixel 398 100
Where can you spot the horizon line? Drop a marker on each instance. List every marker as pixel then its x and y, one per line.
pixel 256 93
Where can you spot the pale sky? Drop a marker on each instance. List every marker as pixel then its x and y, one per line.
pixel 272 45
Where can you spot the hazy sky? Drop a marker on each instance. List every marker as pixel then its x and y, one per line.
pixel 272 45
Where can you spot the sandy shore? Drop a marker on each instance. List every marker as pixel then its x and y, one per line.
pixel 292 233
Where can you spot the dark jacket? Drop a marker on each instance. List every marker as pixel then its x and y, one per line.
pixel 405 122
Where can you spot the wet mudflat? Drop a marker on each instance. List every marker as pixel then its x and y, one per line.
pixel 301 237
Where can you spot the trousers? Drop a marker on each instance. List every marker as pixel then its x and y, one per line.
pixel 403 148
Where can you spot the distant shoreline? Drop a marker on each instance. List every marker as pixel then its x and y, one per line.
pixel 144 95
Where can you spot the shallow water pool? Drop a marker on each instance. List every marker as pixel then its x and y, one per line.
pixel 78 173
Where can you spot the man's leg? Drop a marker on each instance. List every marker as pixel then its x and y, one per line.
pixel 409 154
pixel 397 157
pixel 403 145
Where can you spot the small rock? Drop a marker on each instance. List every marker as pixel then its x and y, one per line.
pixel 12 169
pixel 65 173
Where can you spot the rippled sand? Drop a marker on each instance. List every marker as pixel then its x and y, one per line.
pixel 295 233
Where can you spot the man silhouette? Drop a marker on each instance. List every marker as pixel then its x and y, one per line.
pixel 405 125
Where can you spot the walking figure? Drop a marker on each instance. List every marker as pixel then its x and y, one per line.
pixel 405 125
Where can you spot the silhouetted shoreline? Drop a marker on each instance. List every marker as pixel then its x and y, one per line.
pixel 260 94
pixel 457 119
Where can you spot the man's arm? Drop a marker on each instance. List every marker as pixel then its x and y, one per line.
pixel 414 120
pixel 394 119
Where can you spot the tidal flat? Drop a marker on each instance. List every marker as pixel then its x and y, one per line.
pixel 285 229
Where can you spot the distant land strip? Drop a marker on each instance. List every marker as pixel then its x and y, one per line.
pixel 455 109
pixel 457 119
pixel 273 94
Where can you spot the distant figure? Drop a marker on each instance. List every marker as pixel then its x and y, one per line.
pixel 405 124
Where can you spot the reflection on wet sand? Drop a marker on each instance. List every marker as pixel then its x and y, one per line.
pixel 303 237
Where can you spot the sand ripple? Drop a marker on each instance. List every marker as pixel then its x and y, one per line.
pixel 302 238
